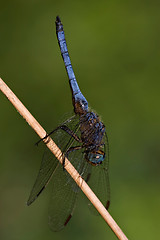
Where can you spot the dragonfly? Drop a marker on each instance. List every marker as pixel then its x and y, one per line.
pixel 83 140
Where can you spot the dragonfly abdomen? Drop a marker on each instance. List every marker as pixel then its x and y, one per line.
pixel 79 101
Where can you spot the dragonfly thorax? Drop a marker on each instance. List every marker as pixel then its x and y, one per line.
pixel 92 131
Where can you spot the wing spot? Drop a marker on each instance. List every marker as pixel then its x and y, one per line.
pixel 69 217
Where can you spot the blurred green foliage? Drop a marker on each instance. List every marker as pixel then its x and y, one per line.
pixel 114 48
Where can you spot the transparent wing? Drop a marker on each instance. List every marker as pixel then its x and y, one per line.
pixel 65 192
pixel 49 163
pixel 99 180
pixel 47 168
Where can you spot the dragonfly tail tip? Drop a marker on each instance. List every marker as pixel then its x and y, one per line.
pixel 58 19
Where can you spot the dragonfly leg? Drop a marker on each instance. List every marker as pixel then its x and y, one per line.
pixel 71 149
pixel 64 128
pixel 70 132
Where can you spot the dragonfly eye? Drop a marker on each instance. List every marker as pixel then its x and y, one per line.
pixel 95 158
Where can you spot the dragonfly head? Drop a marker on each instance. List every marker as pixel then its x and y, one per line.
pixel 96 157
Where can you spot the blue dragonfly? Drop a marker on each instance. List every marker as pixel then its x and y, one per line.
pixel 83 140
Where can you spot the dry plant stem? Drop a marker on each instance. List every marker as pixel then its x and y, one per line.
pixel 57 152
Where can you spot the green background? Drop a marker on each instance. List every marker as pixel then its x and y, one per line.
pixel 114 48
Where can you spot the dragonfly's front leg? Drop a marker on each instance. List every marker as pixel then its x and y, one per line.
pixel 72 134
pixel 64 128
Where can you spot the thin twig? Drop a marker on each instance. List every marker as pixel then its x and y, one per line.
pixel 57 152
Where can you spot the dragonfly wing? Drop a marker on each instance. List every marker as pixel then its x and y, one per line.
pixel 65 192
pixel 49 162
pixel 47 168
pixel 63 200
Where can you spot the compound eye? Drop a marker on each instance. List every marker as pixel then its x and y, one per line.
pixel 96 157
pixel 100 154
